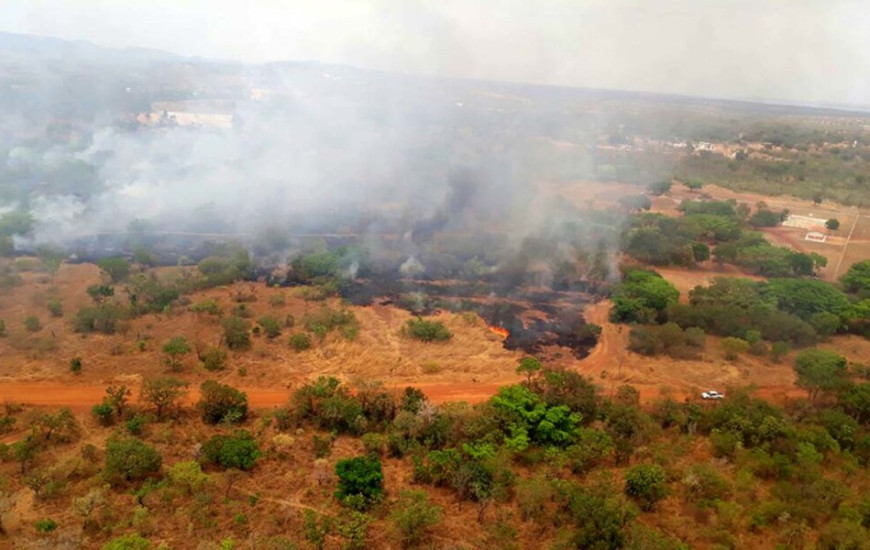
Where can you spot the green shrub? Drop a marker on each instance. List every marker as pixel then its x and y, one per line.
pixel 206 306
pixel 174 349
pixel 136 424
pixel 104 413
pixel 427 331
pixel 300 341
pixel 2 328
pixel 46 525
pixel 222 403
pixel 271 326
pixel 733 347
pixel 414 517
pixel 75 365
pixel 647 484
pixel 326 320
pixel 32 324
pixel 277 299
pixel 55 307
pixel 322 446
pixel 360 480
pixel 128 542
pixel 237 333
pixel 213 359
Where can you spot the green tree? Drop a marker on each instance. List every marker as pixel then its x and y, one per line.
pixel 129 459
pixel 833 224
pixel 116 268
pixel 163 393
pixel 647 484
pixel 529 366
pixel 63 423
pixel 642 296
pixel 857 278
pixel 237 333
pixel 316 530
pixel 359 477
pixel 174 350
pixel 659 187
pixel 353 526
pixel 819 370
pixel 222 403
pixel 701 252
pixel 24 451
pixel 525 418
pixel 188 476
pixel 238 450
pixel 733 347
pixel 414 517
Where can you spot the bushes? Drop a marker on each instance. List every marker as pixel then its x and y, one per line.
pixel 238 450
pixel 55 307
pixel 734 347
pixel 221 403
pixel 326 320
pixel 271 326
pixel 208 306
pixel 642 297
pixel 173 350
pixel 213 359
pixel 103 318
pixel 668 339
pixel 414 517
pixel 360 481
pixel 427 331
pixel 237 333
pixel 129 459
pixel 646 483
pixel 300 342
pixel 32 324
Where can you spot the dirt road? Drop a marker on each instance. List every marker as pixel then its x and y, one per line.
pixel 81 398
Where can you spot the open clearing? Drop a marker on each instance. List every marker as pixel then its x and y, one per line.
pixel 470 367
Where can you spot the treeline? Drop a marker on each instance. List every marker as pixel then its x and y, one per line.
pixel 717 229
pixel 770 316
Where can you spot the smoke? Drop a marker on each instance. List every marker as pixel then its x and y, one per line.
pixel 412 267
pixel 265 154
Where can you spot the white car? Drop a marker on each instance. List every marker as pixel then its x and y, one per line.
pixel 713 394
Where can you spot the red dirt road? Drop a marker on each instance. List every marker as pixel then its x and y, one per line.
pixel 81 398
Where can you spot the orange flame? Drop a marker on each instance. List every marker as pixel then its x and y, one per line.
pixel 503 332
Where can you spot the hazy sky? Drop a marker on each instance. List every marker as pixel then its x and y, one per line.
pixel 795 50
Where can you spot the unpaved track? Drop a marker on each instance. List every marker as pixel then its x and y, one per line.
pixel 81 398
